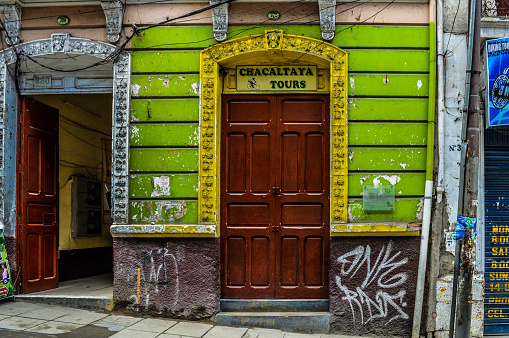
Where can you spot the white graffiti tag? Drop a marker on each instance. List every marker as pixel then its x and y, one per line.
pixel 384 299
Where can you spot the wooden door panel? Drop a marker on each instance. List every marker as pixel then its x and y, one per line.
pixel 34 152
pixel 302 215
pixel 313 260
pixel 236 263
pixel 289 266
pixel 290 162
pixel 260 252
pixel 33 249
pixel 48 256
pixel 38 195
pixel 236 162
pixel 260 168
pixel 294 111
pixel 313 178
pixel 248 215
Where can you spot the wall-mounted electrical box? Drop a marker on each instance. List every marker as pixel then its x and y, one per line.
pixel 88 203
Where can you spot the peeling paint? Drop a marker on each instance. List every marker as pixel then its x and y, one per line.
pixel 161 211
pixel 385 79
pixel 161 186
pixel 363 178
pixel 166 81
pixel 419 84
pixel 350 155
pixel 403 165
pixel 135 89
pixel 182 78
pixel 196 88
pixel 352 82
pixel 418 214
pixel 135 134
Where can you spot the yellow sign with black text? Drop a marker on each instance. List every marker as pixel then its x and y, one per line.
pixel 277 78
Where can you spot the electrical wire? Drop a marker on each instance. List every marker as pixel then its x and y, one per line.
pixel 79 138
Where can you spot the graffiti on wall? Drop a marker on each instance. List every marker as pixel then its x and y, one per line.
pixel 158 272
pixel 373 284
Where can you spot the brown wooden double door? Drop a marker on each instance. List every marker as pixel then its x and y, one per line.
pixel 275 196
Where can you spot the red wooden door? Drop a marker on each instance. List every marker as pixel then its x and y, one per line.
pixel 38 195
pixel 274 196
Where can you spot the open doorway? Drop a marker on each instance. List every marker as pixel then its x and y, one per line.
pixel 65 194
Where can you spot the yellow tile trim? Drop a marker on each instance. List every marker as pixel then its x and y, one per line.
pixel 375 229
pixel 280 48
pixel 163 230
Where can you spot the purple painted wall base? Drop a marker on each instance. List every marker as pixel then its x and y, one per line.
pixel 372 285
pixel 177 277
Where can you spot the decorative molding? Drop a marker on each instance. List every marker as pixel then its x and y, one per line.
pixel 12 16
pixel 113 13
pixel 327 18
pixel 163 230
pixel 63 43
pixel 272 43
pixel 219 20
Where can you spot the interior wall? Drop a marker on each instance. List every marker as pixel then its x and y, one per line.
pixel 85 120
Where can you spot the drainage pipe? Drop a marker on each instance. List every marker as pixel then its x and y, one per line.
pixel 426 217
pixel 441 100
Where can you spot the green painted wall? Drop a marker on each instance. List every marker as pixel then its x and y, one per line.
pixel 387 113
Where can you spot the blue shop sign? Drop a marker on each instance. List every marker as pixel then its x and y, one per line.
pixel 497 78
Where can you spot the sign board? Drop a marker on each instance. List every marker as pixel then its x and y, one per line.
pixel 497 81
pixel 6 289
pixel 378 197
pixel 277 78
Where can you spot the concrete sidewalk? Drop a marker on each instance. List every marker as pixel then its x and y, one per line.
pixel 24 319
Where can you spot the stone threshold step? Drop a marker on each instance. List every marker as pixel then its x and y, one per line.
pixel 82 302
pixel 274 305
pixel 303 322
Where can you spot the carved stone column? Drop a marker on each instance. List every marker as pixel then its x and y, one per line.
pixel 220 20
pixel 12 15
pixel 327 18
pixel 113 13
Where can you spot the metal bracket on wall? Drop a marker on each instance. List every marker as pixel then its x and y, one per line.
pixel 12 15
pixel 219 20
pixel 113 13
pixel 327 18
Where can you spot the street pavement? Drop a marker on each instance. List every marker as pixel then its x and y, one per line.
pixel 20 319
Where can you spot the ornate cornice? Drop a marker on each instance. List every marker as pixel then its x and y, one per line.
pixel 113 13
pixel 219 20
pixel 273 43
pixel 327 18
pixel 64 43
pixel 12 16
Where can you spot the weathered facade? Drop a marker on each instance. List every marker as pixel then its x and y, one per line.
pixel 227 192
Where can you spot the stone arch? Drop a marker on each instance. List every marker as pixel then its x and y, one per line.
pixel 282 48
pixel 64 43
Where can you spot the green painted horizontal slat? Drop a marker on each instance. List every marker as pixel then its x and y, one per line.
pixel 163 186
pixel 163 212
pixel 161 110
pixel 405 184
pixel 163 159
pixel 166 62
pixel 387 134
pixel 388 85
pixel 165 85
pixel 405 210
pixel 393 159
pixel 197 37
pixel 387 109
pixel 164 135
pixel 388 60
pixel 381 37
